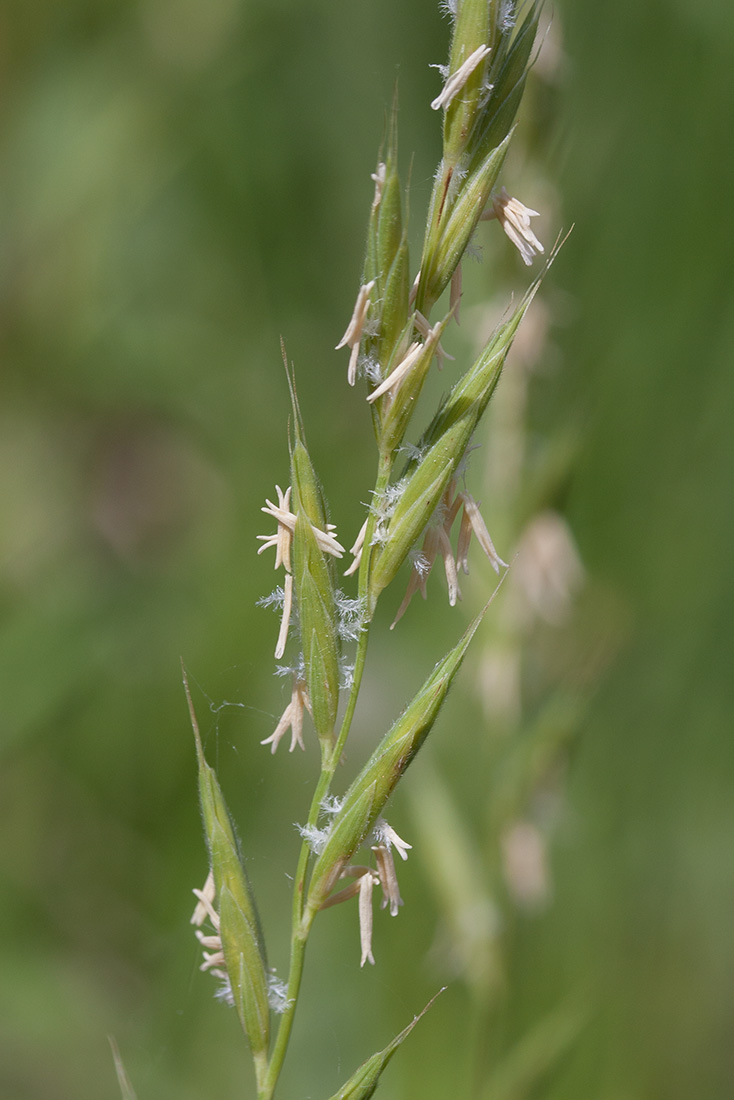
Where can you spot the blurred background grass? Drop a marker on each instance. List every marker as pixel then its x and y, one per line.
pixel 183 182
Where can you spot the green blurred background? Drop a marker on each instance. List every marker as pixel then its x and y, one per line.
pixel 183 181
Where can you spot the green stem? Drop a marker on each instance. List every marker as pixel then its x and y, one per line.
pixel 299 938
pixel 302 921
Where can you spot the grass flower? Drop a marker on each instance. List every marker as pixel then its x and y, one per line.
pixel 291 718
pixel 514 218
pixel 365 878
pixel 282 540
pixel 386 836
pixel 473 524
pixel 211 944
pixel 388 878
pixel 437 541
pixel 283 537
pixel 399 371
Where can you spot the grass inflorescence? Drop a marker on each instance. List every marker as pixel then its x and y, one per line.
pixel 418 505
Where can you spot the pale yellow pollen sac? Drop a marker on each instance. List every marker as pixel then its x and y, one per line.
pixel 449 565
pixel 366 878
pixel 389 837
pixel 365 881
pixel 366 885
pixel 282 540
pixel 214 942
pixel 431 347
pixel 292 718
pixel 473 523
pixel 283 537
pixel 211 944
pixel 388 879
pixel 400 371
pixel 457 80
pixel 287 519
pixel 356 550
pixel 285 619
pixel 214 962
pixel 450 510
pixel 353 335
pixel 205 905
pixel 514 217
pixel 379 180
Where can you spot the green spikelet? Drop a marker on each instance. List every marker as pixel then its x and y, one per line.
pixel 442 448
pixel 242 941
pixel 366 798
pixel 313 581
pixel 315 595
pixel 363 1082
